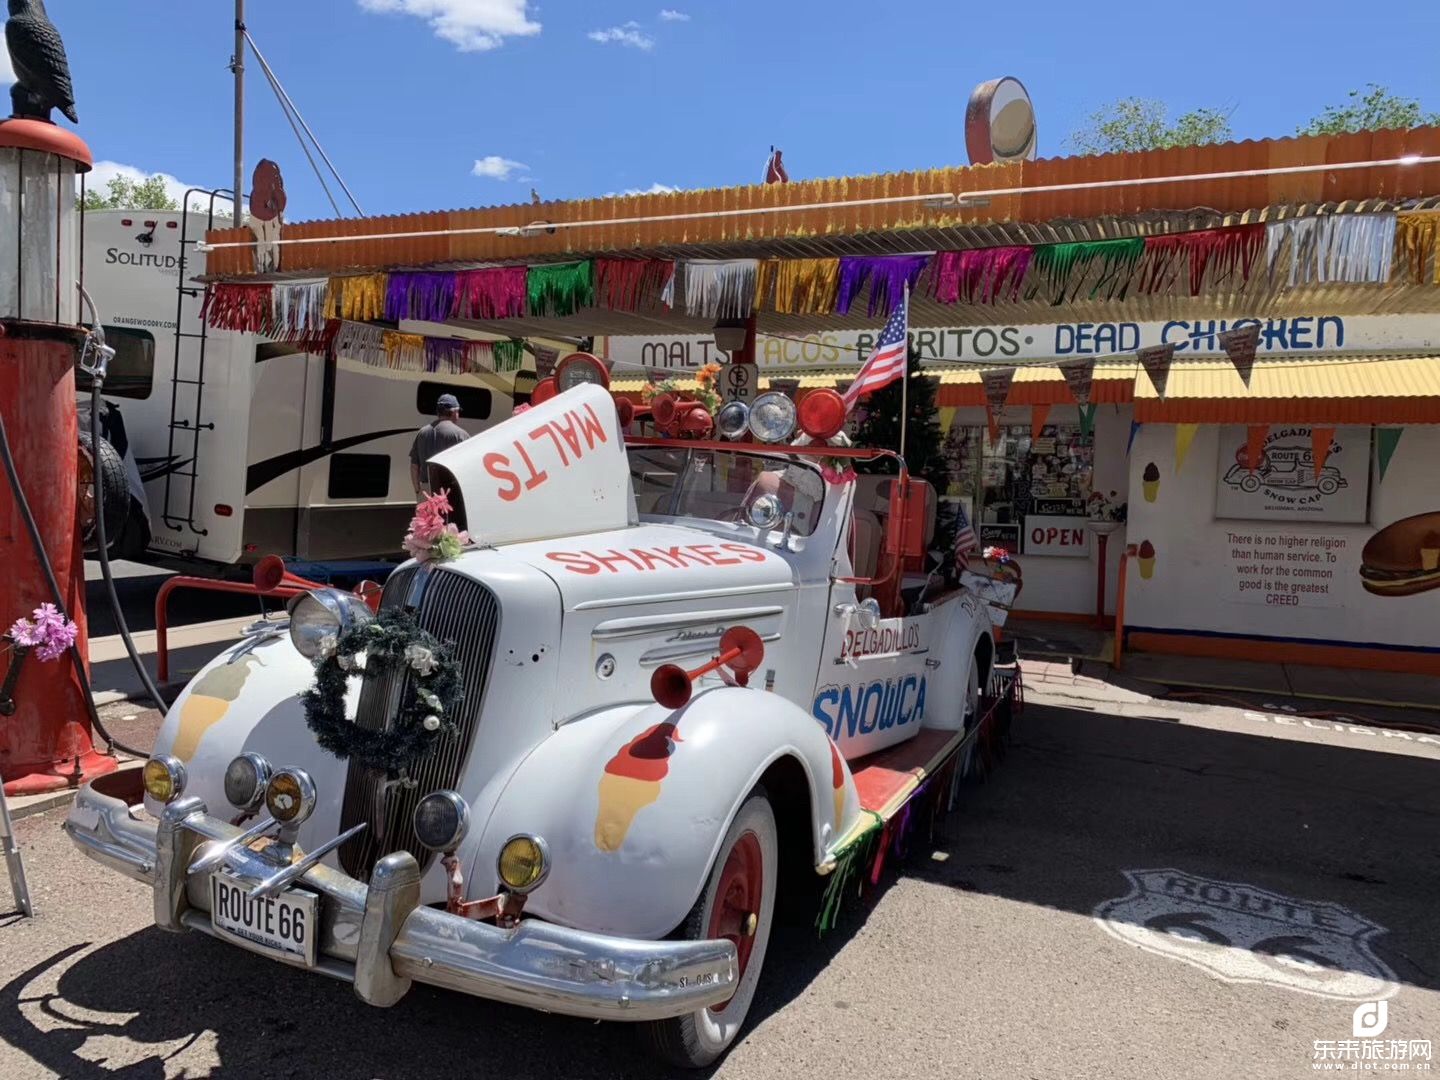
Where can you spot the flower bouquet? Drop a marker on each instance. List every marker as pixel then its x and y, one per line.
pixel 431 538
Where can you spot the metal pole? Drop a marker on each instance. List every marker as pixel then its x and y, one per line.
pixel 237 65
pixel 905 376
pixel 12 859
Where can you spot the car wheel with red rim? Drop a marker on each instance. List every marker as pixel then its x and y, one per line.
pixel 737 904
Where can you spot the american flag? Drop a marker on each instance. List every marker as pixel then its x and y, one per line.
pixel 965 539
pixel 887 362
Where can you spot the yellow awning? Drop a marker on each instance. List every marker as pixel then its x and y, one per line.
pixel 1317 390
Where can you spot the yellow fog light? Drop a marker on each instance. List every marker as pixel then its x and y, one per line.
pixel 524 861
pixel 290 796
pixel 164 778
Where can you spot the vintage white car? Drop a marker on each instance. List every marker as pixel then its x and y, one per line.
pixel 593 839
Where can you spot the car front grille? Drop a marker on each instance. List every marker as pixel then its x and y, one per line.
pixel 455 609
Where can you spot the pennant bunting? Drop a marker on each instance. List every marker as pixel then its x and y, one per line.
pixel 1386 439
pixel 1079 378
pixel 497 292
pixel 359 298
pixel 1038 415
pixel 1223 253
pixel 361 342
pixel 888 276
pixel 1184 436
pixel 992 425
pixel 1415 246
pixel 1060 273
pixel 798 286
pixel 1357 249
pixel 427 297
pixel 634 284
pixel 243 308
pixel 1130 442
pixel 1087 421
pixel 479 356
pixel 403 352
pixel 997 387
pixel 559 289
pixel 1156 361
pixel 720 288
pixel 1240 345
pixel 1255 445
pixel 979 275
pixel 1320 440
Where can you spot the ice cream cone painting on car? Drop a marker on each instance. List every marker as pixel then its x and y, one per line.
pixel 1403 558
pixel 631 782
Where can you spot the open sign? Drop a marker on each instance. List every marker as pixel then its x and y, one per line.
pixel 1046 535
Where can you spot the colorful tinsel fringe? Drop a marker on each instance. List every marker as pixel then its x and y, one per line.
pixel 560 289
pixel 634 284
pixel 243 308
pixel 799 286
pixel 888 276
pixel 494 293
pixel 720 289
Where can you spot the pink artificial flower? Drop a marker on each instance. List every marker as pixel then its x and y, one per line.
pixel 439 503
pixel 519 409
pixel 25 633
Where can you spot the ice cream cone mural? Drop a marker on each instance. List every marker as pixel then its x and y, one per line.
pixel 837 780
pixel 1430 551
pixel 1151 480
pixel 208 703
pixel 631 782
pixel 1146 557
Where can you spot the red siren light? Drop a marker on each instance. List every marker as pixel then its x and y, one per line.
pixel 821 414
pixel 695 421
pixel 582 367
pixel 544 390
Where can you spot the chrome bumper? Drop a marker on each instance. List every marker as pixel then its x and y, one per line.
pixel 379 938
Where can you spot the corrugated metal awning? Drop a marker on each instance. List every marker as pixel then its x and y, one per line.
pixel 1318 390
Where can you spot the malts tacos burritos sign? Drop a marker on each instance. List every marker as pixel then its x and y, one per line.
pixel 1021 342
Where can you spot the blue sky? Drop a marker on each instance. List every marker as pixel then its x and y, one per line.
pixel 584 98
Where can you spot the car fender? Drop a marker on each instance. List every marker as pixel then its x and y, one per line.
pixel 964 621
pixel 248 698
pixel 633 803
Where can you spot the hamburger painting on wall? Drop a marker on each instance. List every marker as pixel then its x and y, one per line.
pixel 1289 481
pixel 1403 558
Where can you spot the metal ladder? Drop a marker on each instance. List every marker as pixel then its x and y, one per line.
pixel 174 517
pixel 11 851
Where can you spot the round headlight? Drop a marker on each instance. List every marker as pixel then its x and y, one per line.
pixel 766 511
pixel 441 820
pixel 733 419
pixel 581 367
pixel 324 613
pixel 245 781
pixel 164 778
pixel 290 796
pixel 772 417
pixel 523 863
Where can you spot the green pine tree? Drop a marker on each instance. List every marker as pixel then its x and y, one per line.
pixel 924 444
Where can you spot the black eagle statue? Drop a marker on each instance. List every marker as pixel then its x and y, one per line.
pixel 42 74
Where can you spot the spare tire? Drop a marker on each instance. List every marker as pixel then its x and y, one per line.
pixel 114 492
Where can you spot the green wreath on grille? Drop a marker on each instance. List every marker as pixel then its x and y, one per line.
pixel 391 643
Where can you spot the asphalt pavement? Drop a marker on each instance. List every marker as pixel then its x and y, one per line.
pixel 1178 892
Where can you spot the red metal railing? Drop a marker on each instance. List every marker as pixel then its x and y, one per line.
pixel 162 615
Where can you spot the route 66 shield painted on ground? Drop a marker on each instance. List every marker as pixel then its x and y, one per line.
pixel 1240 933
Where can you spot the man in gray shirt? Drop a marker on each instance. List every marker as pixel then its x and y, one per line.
pixel 434 437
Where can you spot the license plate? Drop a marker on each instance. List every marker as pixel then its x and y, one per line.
pixel 284 924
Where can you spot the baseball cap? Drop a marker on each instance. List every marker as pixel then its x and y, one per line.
pixel 446 401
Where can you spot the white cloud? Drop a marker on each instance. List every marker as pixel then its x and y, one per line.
pixel 671 15
pixel 629 35
pixel 469 25
pixel 654 189
pixel 98 179
pixel 495 167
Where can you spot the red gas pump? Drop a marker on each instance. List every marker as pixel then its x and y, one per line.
pixel 45 736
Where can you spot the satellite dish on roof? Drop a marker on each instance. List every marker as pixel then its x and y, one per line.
pixel 1000 123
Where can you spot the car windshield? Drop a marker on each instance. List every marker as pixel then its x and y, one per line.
pixel 721 485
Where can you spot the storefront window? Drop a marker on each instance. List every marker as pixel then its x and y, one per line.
pixel 1002 483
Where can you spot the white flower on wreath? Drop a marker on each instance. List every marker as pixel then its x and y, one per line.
pixel 327 646
pixel 430 698
pixel 421 659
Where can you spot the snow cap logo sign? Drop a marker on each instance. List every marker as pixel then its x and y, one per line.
pixel 1239 933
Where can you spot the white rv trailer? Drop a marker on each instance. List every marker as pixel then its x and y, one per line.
pixel 245 446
